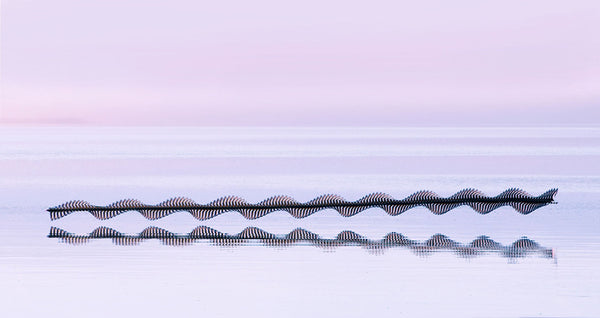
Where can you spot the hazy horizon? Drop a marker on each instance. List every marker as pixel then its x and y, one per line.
pixel 312 64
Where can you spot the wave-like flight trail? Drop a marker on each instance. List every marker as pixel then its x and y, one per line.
pixel 483 244
pixel 520 200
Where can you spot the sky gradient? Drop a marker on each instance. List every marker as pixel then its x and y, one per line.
pixel 304 63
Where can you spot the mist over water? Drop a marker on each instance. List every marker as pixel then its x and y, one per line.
pixel 542 264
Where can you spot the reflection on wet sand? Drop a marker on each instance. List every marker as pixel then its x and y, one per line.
pixel 523 247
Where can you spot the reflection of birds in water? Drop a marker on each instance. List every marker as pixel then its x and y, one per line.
pixel 520 200
pixel 253 235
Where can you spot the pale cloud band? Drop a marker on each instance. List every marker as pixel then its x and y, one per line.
pixel 307 63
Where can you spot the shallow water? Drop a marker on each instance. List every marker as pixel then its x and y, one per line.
pixel 43 167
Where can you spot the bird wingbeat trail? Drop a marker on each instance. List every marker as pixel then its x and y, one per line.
pixel 518 199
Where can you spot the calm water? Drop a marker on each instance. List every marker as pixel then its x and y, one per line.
pixel 43 167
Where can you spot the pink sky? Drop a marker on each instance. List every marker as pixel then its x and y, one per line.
pixel 304 63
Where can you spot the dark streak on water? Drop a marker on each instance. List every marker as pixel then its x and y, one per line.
pixel 482 245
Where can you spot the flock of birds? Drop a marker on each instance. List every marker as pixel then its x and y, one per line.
pixel 518 199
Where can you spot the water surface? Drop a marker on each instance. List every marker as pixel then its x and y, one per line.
pixel 43 167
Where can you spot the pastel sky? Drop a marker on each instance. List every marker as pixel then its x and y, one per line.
pixel 392 63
